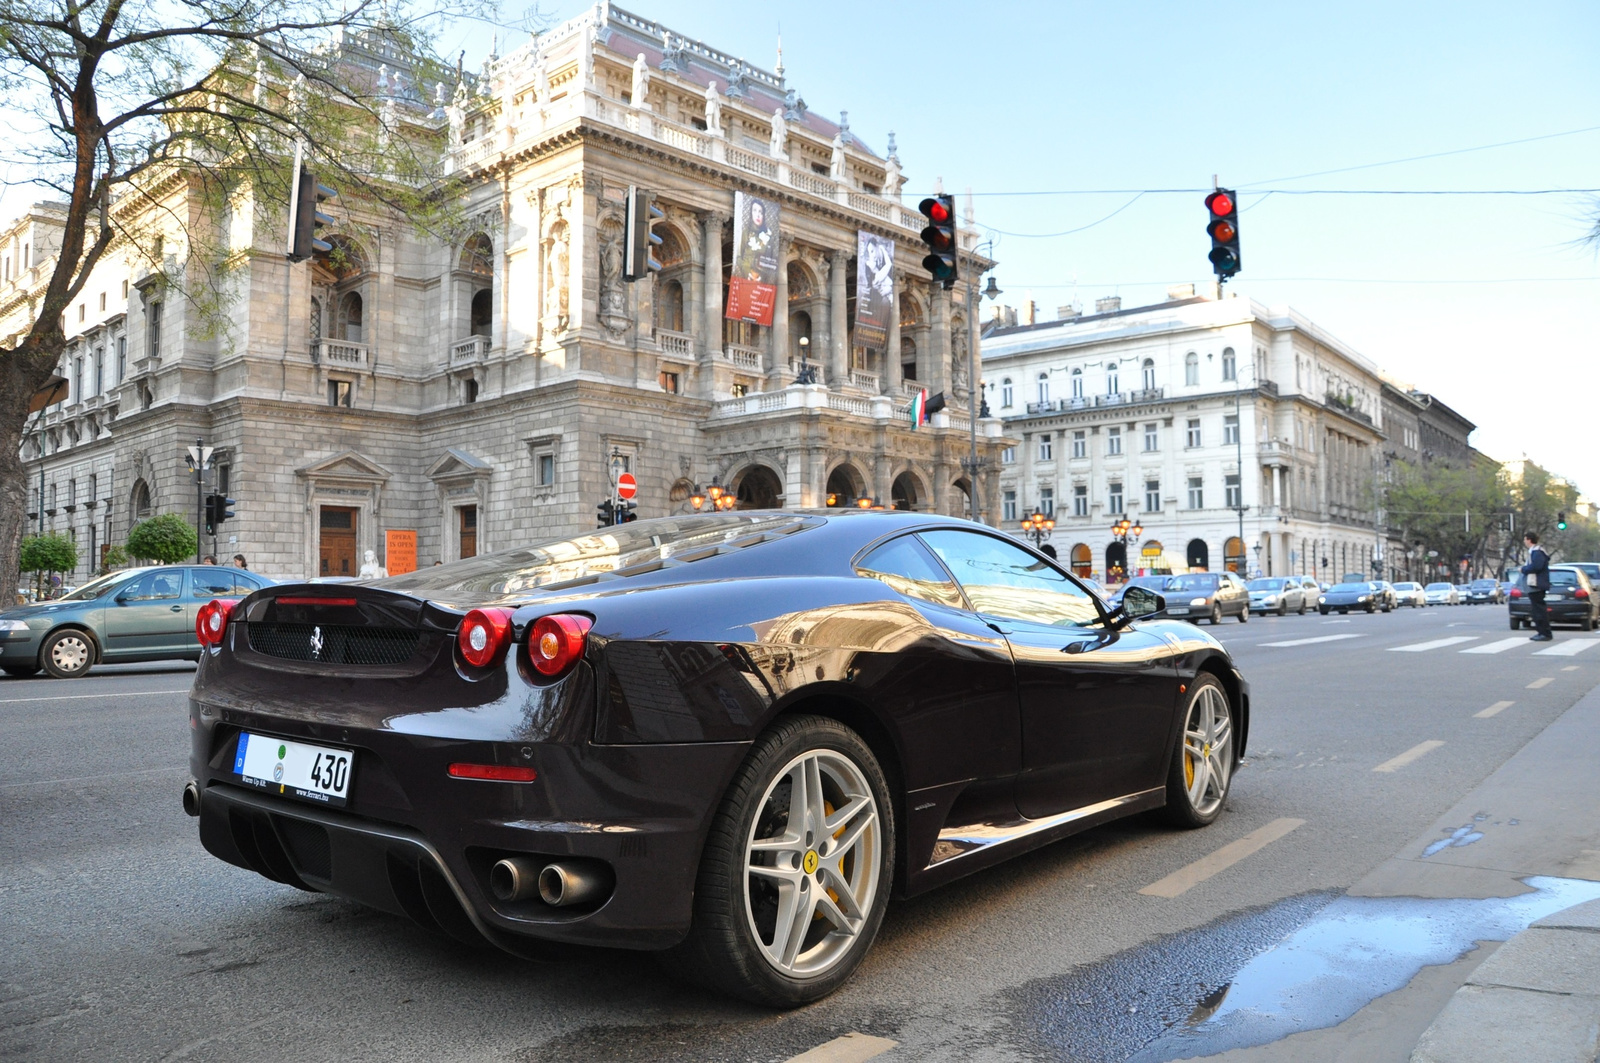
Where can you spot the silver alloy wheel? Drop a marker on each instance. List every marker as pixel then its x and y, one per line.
pixel 1208 749
pixel 70 653
pixel 812 863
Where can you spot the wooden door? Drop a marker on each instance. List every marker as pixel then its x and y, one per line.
pixel 337 541
pixel 467 518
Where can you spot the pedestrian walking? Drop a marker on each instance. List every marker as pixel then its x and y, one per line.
pixel 1538 572
pixel 239 561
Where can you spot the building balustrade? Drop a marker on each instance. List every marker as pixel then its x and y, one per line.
pixel 675 344
pixel 1115 398
pixel 339 352
pixel 859 378
pixel 470 350
pixel 1146 395
pixel 743 357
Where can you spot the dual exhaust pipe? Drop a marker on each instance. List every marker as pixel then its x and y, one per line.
pixel 559 883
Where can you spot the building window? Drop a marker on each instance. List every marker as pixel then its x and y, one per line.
pixel 1192 433
pixel 153 347
pixel 102 302
pixel 1197 495
pixel 1008 456
pixel 1230 366
pixel 1152 437
pixel 1230 489
pixel 1149 374
pixel 98 376
pixel 469 389
pixel 1111 379
pixel 1077 383
pixel 1152 496
pixel 124 289
pixel 82 310
pixel 1047 501
pixel 1191 369
pixel 72 493
pixel 739 391
pixel 1113 441
pixel 339 393
pixel 546 470
pixel 350 317
pixel 77 380
pixel 1080 444
pixel 1044 387
pixel 1046 451
pixel 1230 428
pixel 467 530
pixel 1005 393
pixel 1114 499
pixel 122 358
pixel 94 486
pixel 669 382
pixel 1008 505
pixel 1080 500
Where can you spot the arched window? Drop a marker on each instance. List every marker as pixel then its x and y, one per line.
pixel 1230 364
pixel 316 320
pixel 669 307
pixel 1233 554
pixel 908 358
pixel 670 252
pixel 1077 383
pixel 800 337
pixel 1198 555
pixel 350 317
pixel 477 255
pixel 1191 369
pixel 1082 560
pixel 482 312
pixel 1149 374
pixel 1005 393
pixel 141 500
pixel 1112 380
pixel 1044 387
pixel 799 282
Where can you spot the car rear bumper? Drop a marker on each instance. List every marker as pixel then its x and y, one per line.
pixel 1563 611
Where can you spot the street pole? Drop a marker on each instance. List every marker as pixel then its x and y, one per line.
pixel 1238 439
pixel 972 402
pixel 199 500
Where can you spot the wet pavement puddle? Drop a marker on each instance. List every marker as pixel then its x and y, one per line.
pixel 1256 977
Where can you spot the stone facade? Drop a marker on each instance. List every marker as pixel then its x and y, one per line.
pixel 478 390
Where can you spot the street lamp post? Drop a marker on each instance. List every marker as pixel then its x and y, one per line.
pixel 1038 527
pixel 1127 533
pixel 971 465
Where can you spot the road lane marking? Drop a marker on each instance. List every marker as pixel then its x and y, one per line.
pixel 1570 668
pixel 1498 647
pixel 1436 644
pixel 92 778
pixel 1570 648
pixel 853 1047
pixel 1416 752
pixel 1497 707
pixel 1186 878
pixel 1542 682
pixel 1319 638
pixel 79 697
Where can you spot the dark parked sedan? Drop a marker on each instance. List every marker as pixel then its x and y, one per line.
pixel 1486 591
pixel 728 736
pixel 141 614
pixel 1344 597
pixel 1571 599
pixel 1212 595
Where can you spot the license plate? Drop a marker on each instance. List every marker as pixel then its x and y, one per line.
pixel 294 769
pixel 1182 610
pixel 1555 597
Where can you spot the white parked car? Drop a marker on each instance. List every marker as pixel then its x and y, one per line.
pixel 1443 594
pixel 1410 594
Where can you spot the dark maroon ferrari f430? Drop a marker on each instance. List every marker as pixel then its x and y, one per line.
pixel 729 737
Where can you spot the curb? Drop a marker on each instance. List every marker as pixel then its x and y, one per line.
pixel 1537 997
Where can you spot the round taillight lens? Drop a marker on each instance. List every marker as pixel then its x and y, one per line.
pixel 484 636
pixel 556 642
pixel 211 622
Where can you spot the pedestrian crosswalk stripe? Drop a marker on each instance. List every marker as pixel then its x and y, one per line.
pixel 1436 644
pixel 853 1047
pixel 1493 710
pixel 1568 648
pixel 1497 647
pixel 1319 638
pixel 1416 752
pixel 1537 683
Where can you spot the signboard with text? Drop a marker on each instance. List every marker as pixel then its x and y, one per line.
pixel 753 280
pixel 400 551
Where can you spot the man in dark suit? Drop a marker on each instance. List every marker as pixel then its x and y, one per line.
pixel 1538 572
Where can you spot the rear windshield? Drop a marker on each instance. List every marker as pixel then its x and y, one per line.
pixel 1351 588
pixel 625 550
pixel 1193 583
pixel 1558 576
pixel 1483 584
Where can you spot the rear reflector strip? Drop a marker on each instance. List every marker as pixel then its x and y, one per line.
pixel 493 772
pixel 314 601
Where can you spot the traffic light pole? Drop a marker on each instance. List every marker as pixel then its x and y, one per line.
pixel 199 501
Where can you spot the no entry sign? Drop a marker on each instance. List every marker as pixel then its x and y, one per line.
pixel 627 486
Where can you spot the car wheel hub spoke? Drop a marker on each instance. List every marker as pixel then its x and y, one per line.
pixel 1207 750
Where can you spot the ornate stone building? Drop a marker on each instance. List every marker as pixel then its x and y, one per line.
pixel 479 392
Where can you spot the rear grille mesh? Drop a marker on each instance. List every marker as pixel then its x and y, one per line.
pixel 334 643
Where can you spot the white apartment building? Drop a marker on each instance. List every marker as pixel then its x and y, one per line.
pixel 1239 436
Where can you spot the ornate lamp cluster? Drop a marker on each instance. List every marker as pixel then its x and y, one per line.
pixel 716 496
pixel 864 502
pixel 1038 527
pixel 1127 531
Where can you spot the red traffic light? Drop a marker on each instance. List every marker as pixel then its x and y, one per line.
pixel 936 210
pixel 1219 202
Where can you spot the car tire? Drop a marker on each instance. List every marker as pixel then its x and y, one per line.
pixel 1302 609
pixel 21 671
pixel 1203 760
pixel 67 653
pixel 1283 608
pixel 1370 608
pixel 1244 616
pixel 1515 624
pixel 727 947
pixel 1322 609
pixel 1216 613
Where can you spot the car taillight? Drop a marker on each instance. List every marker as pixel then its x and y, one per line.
pixel 484 636
pixel 1516 592
pixel 493 772
pixel 1581 592
pixel 556 642
pixel 211 623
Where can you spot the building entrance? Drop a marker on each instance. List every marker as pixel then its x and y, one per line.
pixel 336 541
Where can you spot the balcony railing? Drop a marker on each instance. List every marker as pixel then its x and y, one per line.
pixel 1146 395
pixel 743 357
pixel 1042 407
pixel 1116 398
pixel 470 350
pixel 339 352
pixel 675 344
pixel 864 380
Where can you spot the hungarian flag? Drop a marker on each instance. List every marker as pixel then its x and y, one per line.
pixel 919 408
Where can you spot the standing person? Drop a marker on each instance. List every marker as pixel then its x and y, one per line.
pixel 1538 572
pixel 239 562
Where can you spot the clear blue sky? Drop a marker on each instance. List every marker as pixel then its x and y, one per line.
pixel 1484 300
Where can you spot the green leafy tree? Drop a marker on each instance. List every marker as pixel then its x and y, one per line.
pixel 167 539
pixel 51 552
pixel 114 557
pixel 1455 511
pixel 111 105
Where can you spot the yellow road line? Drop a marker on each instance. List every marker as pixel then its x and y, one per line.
pixel 1416 752
pixel 1494 709
pixel 1186 878
pixel 853 1047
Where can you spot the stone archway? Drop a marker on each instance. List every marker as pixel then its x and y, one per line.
pixel 907 492
pixel 1198 556
pixel 1233 554
pixel 845 485
pixel 1116 560
pixel 758 487
pixel 1082 560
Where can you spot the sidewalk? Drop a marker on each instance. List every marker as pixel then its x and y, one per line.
pixel 1537 997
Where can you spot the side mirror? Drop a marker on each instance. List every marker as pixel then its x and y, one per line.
pixel 121 598
pixel 1139 603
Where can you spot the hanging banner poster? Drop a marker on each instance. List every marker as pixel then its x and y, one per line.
pixel 753 285
pixel 400 551
pixel 874 289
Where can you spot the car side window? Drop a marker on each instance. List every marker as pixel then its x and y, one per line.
pixel 153 586
pixel 243 584
pixel 907 566
pixel 1006 581
pixel 211 584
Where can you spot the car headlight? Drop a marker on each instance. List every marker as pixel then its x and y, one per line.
pixel 1321 598
pixel 1269 599
pixel 13 625
pixel 1197 601
pixel 1363 598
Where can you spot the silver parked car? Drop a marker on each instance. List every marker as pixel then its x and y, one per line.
pixel 1442 594
pixel 1276 594
pixel 1410 594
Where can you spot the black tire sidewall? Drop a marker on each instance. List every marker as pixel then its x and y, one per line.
pixel 50 643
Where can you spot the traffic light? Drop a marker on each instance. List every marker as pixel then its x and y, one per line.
pixel 217 511
pixel 940 236
pixel 1561 522
pixel 1224 230
pixel 606 514
pixel 306 217
pixel 639 235
pixel 625 512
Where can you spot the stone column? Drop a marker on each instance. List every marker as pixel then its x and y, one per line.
pixel 939 341
pixel 891 379
pixel 778 348
pixel 714 222
pixel 838 323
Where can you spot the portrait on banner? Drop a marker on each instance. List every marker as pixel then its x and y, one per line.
pixel 753 285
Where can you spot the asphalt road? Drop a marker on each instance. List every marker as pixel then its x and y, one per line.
pixel 124 940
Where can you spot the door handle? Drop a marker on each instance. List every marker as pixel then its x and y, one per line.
pixel 177 608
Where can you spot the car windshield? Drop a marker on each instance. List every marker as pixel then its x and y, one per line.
pixel 1202 583
pixel 626 550
pixel 99 585
pixel 1405 586
pixel 1153 583
pixel 1350 588
pixel 1265 585
pixel 1483 584
pixel 1439 586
